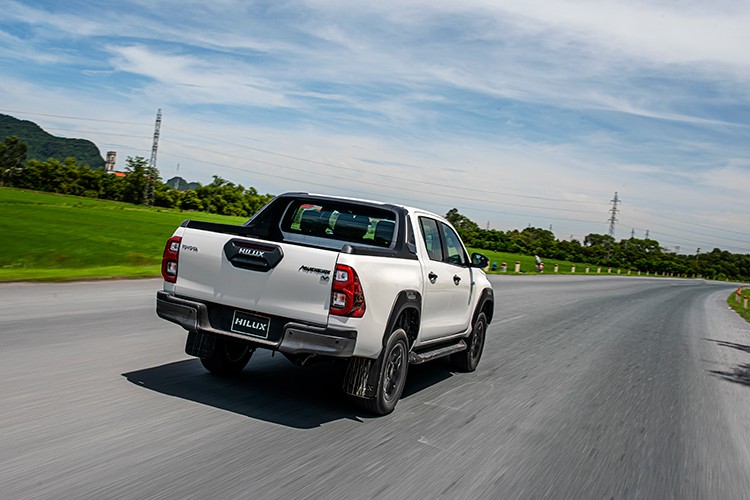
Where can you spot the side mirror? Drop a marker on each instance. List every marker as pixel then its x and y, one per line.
pixel 479 260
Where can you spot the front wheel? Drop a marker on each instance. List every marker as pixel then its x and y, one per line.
pixel 228 358
pixel 392 377
pixel 467 361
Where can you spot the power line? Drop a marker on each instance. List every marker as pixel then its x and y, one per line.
pixel 377 184
pixel 693 223
pixel 682 239
pixel 71 117
pixel 726 238
pixel 406 179
pixel 274 175
pixel 96 132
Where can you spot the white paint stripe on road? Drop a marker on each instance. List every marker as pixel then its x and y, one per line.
pixel 508 320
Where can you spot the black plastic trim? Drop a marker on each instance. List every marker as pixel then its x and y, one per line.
pixel 488 295
pixel 405 299
pixel 253 256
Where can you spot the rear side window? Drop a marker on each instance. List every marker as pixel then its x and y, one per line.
pixel 337 221
pixel 431 235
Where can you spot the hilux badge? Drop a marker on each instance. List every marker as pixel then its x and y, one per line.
pixel 251 251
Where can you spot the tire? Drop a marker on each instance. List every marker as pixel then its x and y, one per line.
pixel 228 358
pixel 392 378
pixel 467 361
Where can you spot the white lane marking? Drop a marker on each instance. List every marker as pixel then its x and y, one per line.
pixel 508 320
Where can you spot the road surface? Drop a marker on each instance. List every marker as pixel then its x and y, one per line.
pixel 590 387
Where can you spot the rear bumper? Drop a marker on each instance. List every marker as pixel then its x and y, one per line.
pixel 296 338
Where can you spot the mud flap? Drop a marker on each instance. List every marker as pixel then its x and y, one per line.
pixel 361 379
pixel 200 345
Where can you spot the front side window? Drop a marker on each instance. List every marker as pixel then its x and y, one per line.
pixel 455 253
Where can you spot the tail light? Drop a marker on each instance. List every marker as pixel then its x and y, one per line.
pixel 169 259
pixel 347 297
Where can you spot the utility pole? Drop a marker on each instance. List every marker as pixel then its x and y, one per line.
pixel 632 233
pixel 149 195
pixel 646 234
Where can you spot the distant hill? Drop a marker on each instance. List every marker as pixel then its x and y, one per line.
pixel 181 184
pixel 43 146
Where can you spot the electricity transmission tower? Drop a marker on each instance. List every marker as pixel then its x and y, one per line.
pixel 612 220
pixel 613 215
pixel 151 173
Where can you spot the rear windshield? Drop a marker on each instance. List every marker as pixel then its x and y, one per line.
pixel 337 221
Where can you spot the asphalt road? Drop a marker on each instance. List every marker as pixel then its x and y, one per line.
pixel 590 387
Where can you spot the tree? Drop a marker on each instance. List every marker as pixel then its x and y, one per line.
pixel 567 250
pixel 598 248
pixel 467 229
pixel 165 196
pixel 537 241
pixel 12 156
pixel 189 200
pixel 134 187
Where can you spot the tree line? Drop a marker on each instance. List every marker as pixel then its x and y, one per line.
pixel 69 177
pixel 645 255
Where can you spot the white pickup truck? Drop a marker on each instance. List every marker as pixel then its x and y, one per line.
pixel 381 286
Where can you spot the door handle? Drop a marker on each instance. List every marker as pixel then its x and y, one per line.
pixel 432 277
pixel 456 279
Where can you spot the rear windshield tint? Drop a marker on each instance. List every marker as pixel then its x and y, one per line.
pixel 336 221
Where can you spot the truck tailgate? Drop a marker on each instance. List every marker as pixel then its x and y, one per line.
pixel 281 279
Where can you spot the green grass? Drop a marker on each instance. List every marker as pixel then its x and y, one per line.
pixel 740 306
pixel 45 236
pixel 528 264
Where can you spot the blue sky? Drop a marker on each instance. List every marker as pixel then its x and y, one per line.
pixel 515 113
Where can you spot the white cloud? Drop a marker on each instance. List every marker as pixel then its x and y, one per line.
pixel 198 81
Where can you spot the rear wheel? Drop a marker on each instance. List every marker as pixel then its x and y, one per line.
pixel 228 358
pixel 467 361
pixel 392 378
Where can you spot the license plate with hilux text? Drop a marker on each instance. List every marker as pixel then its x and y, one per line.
pixel 250 324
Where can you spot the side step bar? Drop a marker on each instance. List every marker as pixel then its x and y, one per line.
pixel 417 358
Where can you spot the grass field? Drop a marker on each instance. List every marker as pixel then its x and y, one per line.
pixel 528 264
pixel 46 236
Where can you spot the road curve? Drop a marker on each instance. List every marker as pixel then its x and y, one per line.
pixel 590 387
